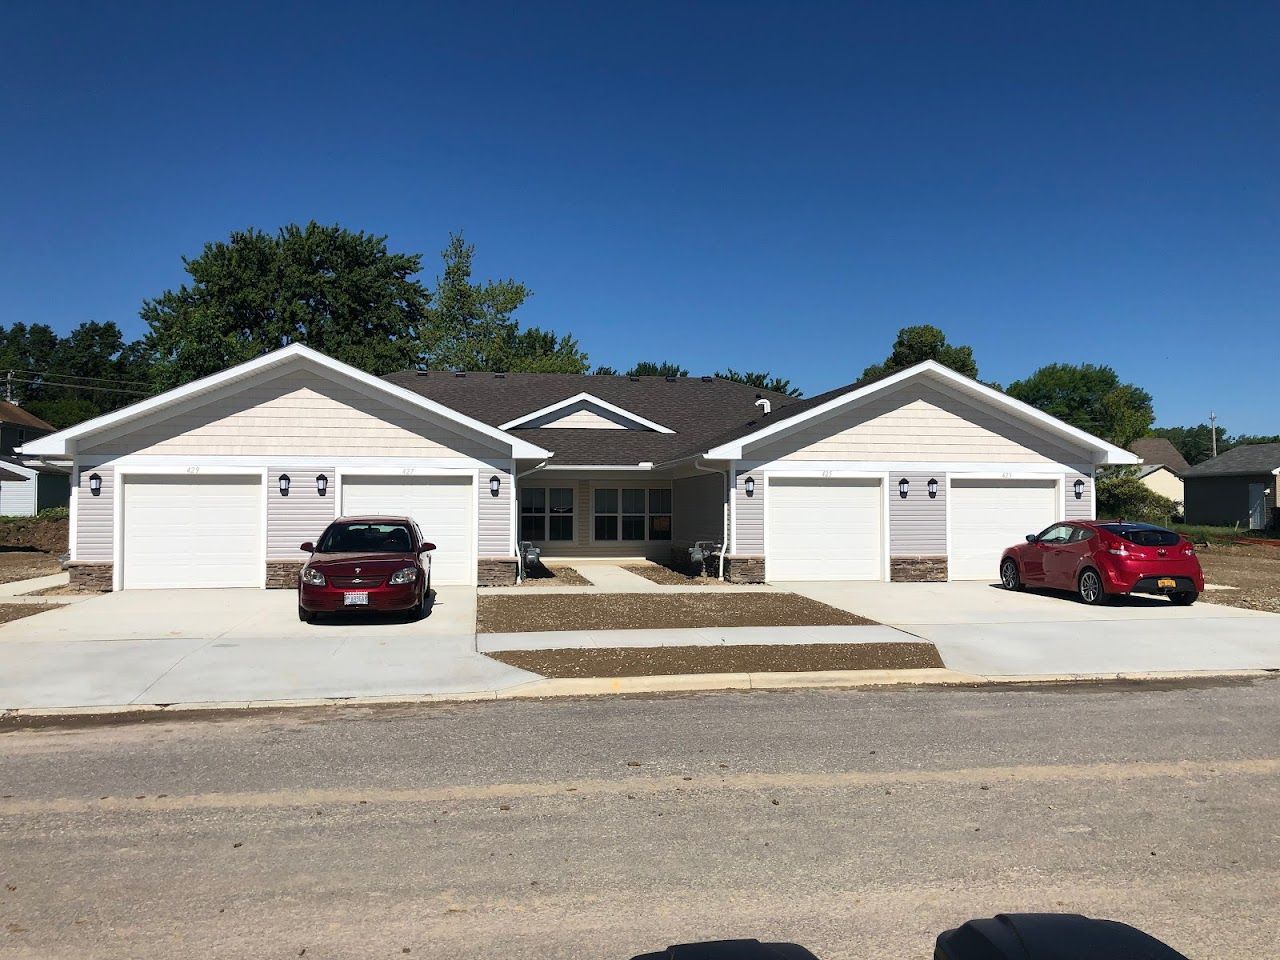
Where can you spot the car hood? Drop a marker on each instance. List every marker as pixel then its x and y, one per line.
pixel 342 564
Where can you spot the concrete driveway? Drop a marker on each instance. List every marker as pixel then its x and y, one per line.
pixel 983 629
pixel 199 646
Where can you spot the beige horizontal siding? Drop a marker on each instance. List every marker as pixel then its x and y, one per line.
pixel 918 523
pixel 917 423
pixel 581 420
pixel 748 515
pixel 302 515
pixel 494 514
pixel 296 415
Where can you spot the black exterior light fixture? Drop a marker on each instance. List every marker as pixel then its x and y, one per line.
pixel 495 484
pixel 1078 487
pixel 95 484
pixel 933 489
pixel 903 485
pixel 284 484
pixel 322 484
pixel 750 486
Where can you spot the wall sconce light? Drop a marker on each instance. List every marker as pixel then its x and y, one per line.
pixel 903 485
pixel 1078 486
pixel 933 489
pixel 284 484
pixel 750 486
pixel 95 484
pixel 495 484
pixel 322 484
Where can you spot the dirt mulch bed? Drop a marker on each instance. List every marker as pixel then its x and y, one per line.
pixel 64 590
pixel 669 577
pixel 23 564
pixel 47 535
pixel 509 613
pixel 778 658
pixel 16 611
pixel 1254 569
pixel 555 576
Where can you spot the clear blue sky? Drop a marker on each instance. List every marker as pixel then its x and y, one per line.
pixel 774 186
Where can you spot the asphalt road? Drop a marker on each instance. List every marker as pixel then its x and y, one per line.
pixel 859 823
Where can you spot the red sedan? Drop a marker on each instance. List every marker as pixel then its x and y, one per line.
pixel 367 563
pixel 1101 559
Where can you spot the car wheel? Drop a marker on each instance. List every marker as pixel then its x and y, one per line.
pixel 1090 588
pixel 1184 598
pixel 1009 577
pixel 305 615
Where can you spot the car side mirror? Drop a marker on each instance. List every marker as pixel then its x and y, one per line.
pixel 1031 538
pixel 426 547
pixel 308 546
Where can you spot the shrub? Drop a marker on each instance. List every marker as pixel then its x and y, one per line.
pixel 1122 494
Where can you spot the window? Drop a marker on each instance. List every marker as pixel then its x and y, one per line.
pixel 632 513
pixel 1059 533
pixel 546 513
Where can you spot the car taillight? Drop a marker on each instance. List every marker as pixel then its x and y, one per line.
pixel 1188 550
pixel 1118 548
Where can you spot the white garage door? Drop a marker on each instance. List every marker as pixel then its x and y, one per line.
pixel 824 530
pixel 197 531
pixel 989 515
pixel 443 507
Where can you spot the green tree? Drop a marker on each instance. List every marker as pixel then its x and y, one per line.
pixel 761 381
pixel 603 371
pixel 1194 443
pixel 1121 494
pixel 647 368
pixel 340 292
pixel 925 342
pixel 470 325
pixel 1090 397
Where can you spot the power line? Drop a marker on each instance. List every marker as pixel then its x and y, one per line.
pixel 78 386
pixel 76 376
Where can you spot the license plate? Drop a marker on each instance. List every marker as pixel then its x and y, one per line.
pixel 356 599
pixel 1166 583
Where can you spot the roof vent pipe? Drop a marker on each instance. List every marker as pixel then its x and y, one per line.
pixel 764 405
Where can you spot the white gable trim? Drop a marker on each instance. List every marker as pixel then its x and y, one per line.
pixel 1108 453
pixel 588 398
pixel 63 442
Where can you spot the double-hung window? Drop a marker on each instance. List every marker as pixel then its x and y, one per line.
pixel 632 513
pixel 546 513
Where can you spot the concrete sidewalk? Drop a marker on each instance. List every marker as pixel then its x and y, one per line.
pixel 694 637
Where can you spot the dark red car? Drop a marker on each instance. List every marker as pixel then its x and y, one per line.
pixel 367 563
pixel 1101 559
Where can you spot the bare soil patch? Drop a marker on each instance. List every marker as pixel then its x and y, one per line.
pixel 1254 569
pixel 508 613
pixel 64 590
pixel 16 611
pixel 777 658
pixel 554 575
pixel 23 564
pixel 670 577
pixel 47 535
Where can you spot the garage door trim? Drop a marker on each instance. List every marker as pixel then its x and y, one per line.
pixel 123 473
pixel 883 479
pixel 1058 480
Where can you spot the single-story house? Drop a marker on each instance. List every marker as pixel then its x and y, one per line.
pixel 921 474
pixel 1162 466
pixel 1236 488
pixel 27 487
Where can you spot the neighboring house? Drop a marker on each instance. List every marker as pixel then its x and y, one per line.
pixel 1162 466
pixel 1236 488
pixel 922 474
pixel 27 487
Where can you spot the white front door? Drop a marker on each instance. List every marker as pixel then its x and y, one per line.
pixel 192 531
pixel 444 508
pixel 826 529
pixel 989 515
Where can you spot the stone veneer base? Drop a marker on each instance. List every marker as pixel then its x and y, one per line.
pixel 918 569
pixel 87 575
pixel 497 571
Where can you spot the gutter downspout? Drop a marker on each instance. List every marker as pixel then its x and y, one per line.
pixel 724 510
pixel 515 493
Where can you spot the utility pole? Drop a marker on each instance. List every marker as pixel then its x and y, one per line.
pixel 8 387
pixel 1213 431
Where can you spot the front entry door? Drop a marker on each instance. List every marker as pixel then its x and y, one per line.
pixel 1257 506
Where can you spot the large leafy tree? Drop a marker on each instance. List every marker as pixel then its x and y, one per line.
pixel 470 325
pixel 761 381
pixel 647 368
pixel 924 342
pixel 342 292
pixel 1196 443
pixel 1090 397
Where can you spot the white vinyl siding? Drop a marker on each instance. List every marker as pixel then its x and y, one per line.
pixel 748 515
pixel 828 529
pixel 296 414
pixel 95 516
pixel 302 515
pixel 1081 509
pixel 918 522
pixel 443 507
pixel 987 516
pixel 495 513
pixel 18 497
pixel 192 531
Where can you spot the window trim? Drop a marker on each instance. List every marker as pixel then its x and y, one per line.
pixel 648 514
pixel 546 513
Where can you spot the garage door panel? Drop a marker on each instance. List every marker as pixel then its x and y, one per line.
pixel 988 516
pixel 824 529
pixel 199 531
pixel 444 507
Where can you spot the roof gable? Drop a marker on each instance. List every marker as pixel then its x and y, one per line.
pixel 1255 458
pixel 1158 450
pixel 585 411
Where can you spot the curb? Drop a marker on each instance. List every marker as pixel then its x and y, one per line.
pixel 675 683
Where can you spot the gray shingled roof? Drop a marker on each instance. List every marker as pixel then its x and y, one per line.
pixel 699 410
pixel 1252 458
pixel 1158 450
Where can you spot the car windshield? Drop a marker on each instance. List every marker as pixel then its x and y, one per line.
pixel 366 538
pixel 1143 535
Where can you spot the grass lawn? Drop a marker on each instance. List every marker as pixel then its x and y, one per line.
pixel 1198 533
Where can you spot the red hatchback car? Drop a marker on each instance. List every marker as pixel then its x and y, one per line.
pixel 367 563
pixel 1101 559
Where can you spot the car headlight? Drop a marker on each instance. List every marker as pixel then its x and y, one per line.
pixel 312 576
pixel 407 575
